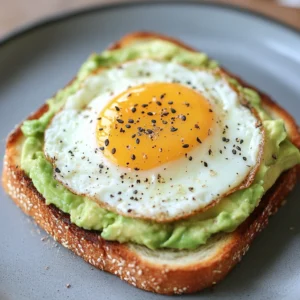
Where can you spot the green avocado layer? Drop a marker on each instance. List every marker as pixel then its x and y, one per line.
pixel 279 155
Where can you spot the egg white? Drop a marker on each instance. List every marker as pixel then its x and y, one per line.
pixel 174 189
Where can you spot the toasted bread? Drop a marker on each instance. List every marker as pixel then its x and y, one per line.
pixel 162 271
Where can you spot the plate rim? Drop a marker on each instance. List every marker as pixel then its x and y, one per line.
pixel 61 17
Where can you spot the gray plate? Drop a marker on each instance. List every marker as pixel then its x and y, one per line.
pixel 39 60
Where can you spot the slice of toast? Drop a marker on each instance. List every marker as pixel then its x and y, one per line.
pixel 162 271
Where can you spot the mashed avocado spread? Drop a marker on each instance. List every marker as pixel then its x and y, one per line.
pixel 279 155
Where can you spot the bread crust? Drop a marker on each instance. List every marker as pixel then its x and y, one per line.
pixel 124 260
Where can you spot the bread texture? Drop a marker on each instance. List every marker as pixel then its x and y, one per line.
pixel 162 271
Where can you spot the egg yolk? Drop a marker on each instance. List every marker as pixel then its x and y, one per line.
pixel 152 124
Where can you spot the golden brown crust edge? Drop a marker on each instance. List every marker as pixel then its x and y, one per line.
pixel 118 259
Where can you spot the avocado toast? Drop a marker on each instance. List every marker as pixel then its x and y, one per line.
pixel 186 270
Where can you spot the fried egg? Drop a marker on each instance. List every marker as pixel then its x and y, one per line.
pixel 155 140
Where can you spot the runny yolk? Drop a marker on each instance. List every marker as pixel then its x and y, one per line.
pixel 152 124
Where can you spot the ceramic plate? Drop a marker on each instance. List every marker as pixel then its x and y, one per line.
pixel 37 61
